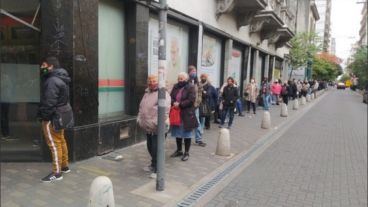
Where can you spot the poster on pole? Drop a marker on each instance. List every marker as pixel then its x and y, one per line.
pixel 211 59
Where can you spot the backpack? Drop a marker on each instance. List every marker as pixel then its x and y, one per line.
pixel 284 90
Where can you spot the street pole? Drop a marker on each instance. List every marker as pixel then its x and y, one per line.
pixel 160 180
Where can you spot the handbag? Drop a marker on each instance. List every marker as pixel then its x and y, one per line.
pixel 63 117
pixel 204 110
pixel 174 116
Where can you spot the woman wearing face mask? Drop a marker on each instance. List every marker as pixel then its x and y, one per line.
pixel 252 93
pixel 147 119
pixel 183 96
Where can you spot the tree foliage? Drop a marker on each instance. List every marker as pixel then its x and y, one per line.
pixel 326 66
pixel 344 77
pixel 303 46
pixel 359 66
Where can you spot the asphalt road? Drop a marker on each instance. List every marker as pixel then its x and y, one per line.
pixel 320 161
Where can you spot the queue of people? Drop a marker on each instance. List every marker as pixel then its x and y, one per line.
pixel 193 100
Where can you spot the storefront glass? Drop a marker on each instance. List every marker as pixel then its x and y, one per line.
pixel 111 58
pixel 211 59
pixel 20 80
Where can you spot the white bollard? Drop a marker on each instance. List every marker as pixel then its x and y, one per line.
pixel 296 104
pixel 303 102
pixel 312 96
pixel 266 120
pixel 101 193
pixel 308 98
pixel 223 143
pixel 284 110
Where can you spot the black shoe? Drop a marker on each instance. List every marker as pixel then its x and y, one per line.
pixel 65 170
pixel 241 114
pixel 202 144
pixel 254 112
pixel 185 156
pixel 177 154
pixel 52 177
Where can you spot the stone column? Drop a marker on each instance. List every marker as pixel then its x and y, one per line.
pixel 227 63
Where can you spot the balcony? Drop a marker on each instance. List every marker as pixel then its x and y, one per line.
pixel 244 10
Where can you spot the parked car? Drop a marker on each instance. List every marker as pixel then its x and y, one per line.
pixel 341 85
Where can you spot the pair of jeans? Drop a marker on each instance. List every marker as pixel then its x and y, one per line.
pixel 266 101
pixel 199 129
pixel 275 98
pixel 152 149
pixel 239 106
pixel 225 111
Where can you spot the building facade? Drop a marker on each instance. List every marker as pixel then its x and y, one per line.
pixel 323 27
pixel 109 47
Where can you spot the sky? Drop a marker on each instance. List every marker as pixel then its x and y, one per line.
pixel 345 20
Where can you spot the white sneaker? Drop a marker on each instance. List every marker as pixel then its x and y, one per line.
pixel 148 168
pixel 153 175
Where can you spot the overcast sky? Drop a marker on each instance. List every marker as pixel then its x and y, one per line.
pixel 345 18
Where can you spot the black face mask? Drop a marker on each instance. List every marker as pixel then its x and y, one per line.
pixel 203 80
pixel 44 71
pixel 182 83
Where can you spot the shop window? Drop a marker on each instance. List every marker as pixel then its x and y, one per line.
pixel 111 58
pixel 235 65
pixel 177 38
pixel 211 59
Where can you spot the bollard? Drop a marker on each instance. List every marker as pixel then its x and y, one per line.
pixel 266 120
pixel 303 102
pixel 284 110
pixel 296 104
pixel 101 193
pixel 223 143
pixel 308 98
pixel 312 96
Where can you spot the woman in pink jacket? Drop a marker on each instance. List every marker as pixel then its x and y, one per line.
pixel 147 119
pixel 276 90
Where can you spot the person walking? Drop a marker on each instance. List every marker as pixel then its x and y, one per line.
pixel 251 93
pixel 209 97
pixel 266 94
pixel 183 97
pixel 147 119
pixel 193 79
pixel 229 98
pixel 55 96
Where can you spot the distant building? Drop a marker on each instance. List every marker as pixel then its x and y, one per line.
pixel 363 40
pixel 333 46
pixel 323 27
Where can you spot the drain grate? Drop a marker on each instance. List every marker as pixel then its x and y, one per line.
pixel 193 197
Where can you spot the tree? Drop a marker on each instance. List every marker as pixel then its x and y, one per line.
pixel 303 47
pixel 326 66
pixel 359 66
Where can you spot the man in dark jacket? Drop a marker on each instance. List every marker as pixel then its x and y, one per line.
pixel 229 97
pixel 54 94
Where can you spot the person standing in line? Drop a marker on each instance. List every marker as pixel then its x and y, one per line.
pixel 299 89
pixel 229 98
pixel 285 91
pixel 209 97
pixel 54 95
pixel 251 93
pixel 239 104
pixel 275 89
pixel 266 94
pixel 183 97
pixel 193 79
pixel 315 88
pixel 147 119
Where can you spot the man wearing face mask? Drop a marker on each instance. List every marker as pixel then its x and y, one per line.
pixel 229 97
pixel 147 119
pixel 193 79
pixel 54 95
pixel 209 97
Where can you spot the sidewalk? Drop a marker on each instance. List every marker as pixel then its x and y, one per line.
pixel 21 186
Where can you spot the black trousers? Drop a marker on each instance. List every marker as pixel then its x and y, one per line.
pixel 285 99
pixel 152 149
pixel 5 119
pixel 253 106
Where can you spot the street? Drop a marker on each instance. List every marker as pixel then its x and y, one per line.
pixel 320 161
